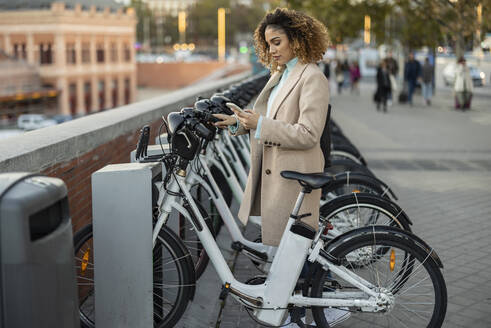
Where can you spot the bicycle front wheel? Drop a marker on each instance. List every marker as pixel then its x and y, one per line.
pixel 405 269
pixel 173 277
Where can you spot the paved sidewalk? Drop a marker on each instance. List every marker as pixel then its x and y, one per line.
pixel 438 161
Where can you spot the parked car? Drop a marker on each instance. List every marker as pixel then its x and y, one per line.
pixel 62 118
pixel 34 121
pixel 478 76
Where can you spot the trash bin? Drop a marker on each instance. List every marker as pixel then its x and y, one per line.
pixel 37 273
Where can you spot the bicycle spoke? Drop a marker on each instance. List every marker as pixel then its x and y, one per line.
pixel 84 278
pixel 399 320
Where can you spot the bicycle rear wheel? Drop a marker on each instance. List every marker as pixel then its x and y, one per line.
pixel 171 291
pixel 347 183
pixel 340 165
pixel 405 269
pixel 357 210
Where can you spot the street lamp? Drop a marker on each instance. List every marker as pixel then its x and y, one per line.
pixel 221 34
pixel 181 25
pixel 479 21
pixel 366 36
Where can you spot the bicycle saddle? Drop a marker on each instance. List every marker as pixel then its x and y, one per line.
pixel 310 180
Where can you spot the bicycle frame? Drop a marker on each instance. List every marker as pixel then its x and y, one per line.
pixel 222 207
pixel 236 162
pixel 271 298
pixel 223 165
pixel 219 201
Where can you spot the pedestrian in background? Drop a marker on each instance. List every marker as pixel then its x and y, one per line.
pixel 355 77
pixel 463 85
pixel 338 71
pixel 327 69
pixel 393 69
pixel 427 86
pixel 346 73
pixel 412 72
pixel 383 86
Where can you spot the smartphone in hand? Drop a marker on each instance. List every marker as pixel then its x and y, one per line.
pixel 234 106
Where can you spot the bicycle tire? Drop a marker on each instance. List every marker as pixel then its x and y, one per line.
pixel 340 165
pixel 346 151
pixel 346 146
pixel 377 208
pixel 417 260
pixel 184 267
pixel 344 183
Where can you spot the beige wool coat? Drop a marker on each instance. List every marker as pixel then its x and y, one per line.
pixel 290 140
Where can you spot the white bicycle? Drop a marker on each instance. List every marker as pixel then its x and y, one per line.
pixel 337 215
pixel 384 275
pixel 378 269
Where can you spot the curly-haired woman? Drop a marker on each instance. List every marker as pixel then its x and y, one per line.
pixel 286 122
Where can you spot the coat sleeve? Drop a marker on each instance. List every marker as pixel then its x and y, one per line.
pixel 313 105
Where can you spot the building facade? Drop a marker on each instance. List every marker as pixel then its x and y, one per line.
pixel 84 52
pixel 21 90
pixel 169 7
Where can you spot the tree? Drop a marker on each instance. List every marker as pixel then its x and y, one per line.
pixel 453 19
pixel 170 29
pixel 145 21
pixel 345 18
pixel 415 23
pixel 203 21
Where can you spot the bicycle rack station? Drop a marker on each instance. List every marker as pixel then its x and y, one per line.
pixel 122 222
pixel 151 220
pixel 152 150
pixel 37 273
pixel 162 137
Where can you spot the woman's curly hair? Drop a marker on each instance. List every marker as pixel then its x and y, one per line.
pixel 307 36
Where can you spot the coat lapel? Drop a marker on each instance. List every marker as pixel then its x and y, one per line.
pixel 290 82
pixel 264 95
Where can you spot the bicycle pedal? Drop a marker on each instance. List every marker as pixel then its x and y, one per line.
pixel 296 315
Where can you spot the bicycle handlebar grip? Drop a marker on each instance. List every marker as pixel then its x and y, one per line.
pixel 212 119
pixel 202 131
pixel 141 147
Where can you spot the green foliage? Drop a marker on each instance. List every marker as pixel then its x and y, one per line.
pixel 415 23
pixel 203 21
pixel 433 21
pixel 345 18
pixel 169 28
pixel 144 17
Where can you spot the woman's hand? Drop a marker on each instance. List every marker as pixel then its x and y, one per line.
pixel 226 120
pixel 248 118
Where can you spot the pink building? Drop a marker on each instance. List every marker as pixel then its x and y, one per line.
pixel 84 52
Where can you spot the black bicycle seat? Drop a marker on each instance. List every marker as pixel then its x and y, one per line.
pixel 311 180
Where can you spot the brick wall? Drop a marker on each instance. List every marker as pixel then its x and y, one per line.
pixel 77 172
pixel 72 151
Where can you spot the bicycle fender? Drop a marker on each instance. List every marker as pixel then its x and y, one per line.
pixel 384 229
pixel 370 178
